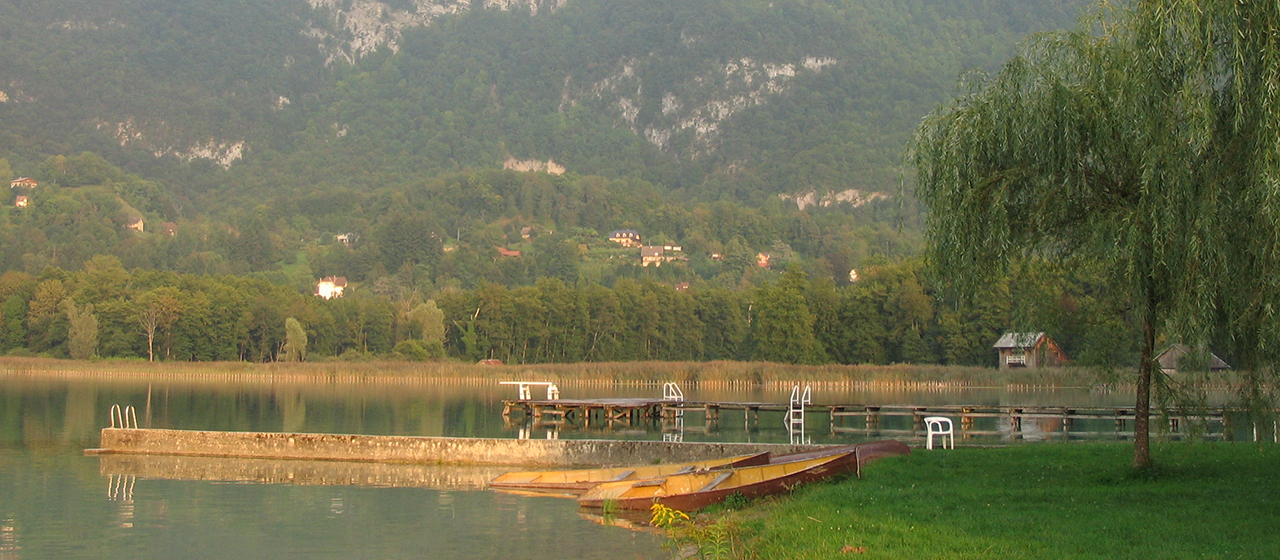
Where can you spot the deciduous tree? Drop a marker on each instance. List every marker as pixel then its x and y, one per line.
pixel 295 341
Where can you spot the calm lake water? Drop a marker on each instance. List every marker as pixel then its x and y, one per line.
pixel 56 502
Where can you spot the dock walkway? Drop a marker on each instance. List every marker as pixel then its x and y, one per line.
pixel 865 418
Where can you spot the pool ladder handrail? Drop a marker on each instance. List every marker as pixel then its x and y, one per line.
pixel 799 400
pixel 127 418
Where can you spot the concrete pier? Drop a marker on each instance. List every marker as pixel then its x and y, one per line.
pixel 411 449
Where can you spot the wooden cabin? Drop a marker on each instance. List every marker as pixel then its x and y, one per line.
pixel 1029 350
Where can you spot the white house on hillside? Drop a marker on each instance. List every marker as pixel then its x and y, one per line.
pixel 331 287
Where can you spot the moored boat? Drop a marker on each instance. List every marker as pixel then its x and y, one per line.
pixel 578 481
pixel 696 490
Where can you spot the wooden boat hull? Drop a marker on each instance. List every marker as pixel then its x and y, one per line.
pixel 578 481
pixel 689 492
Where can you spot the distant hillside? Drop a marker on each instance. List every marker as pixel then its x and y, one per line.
pixel 741 99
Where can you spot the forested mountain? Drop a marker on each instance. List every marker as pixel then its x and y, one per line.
pixel 414 147
pixel 743 98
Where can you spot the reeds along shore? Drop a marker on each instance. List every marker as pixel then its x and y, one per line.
pixel 702 374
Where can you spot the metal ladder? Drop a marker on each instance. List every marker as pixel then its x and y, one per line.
pixel 671 393
pixel 795 414
pixel 124 419
pixel 799 400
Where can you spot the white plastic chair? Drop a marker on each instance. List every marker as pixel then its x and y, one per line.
pixel 939 426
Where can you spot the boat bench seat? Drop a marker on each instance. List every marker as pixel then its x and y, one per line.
pixel 716 481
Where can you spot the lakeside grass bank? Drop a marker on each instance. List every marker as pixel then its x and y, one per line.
pixel 1035 501
pixel 708 374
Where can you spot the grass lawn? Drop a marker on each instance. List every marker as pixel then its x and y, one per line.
pixel 1042 501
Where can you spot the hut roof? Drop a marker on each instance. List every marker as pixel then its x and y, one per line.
pixel 1171 356
pixel 1019 340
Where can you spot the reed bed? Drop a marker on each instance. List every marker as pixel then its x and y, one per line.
pixel 716 375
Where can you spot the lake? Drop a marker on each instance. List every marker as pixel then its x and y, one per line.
pixel 56 502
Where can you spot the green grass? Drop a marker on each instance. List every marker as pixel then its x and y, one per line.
pixel 1041 501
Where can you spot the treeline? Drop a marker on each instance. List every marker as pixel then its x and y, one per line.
pixel 891 315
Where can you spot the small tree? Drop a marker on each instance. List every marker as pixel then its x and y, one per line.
pixel 430 319
pixel 158 310
pixel 295 341
pixel 82 330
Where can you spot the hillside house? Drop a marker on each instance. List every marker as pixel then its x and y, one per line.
pixel 169 228
pixel 331 287
pixel 762 260
pixel 21 201
pixel 625 237
pixel 345 238
pixel 1170 358
pixel 526 232
pixel 1029 350
pixel 23 183
pixel 681 286
pixel 651 256
pixel 507 252
pixel 135 224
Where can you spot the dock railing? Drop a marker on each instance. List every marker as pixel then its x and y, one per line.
pixel 526 389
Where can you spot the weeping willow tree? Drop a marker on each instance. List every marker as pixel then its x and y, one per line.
pixel 1145 140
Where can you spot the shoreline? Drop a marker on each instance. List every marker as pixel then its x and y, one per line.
pixel 638 374
pixel 716 375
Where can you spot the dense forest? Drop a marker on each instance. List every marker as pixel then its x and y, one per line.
pixel 890 315
pixel 221 157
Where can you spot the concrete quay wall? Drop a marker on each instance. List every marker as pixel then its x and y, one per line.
pixel 414 449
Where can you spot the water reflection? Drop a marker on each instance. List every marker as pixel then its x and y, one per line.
pixel 53 505
pixel 307 473
pixel 70 413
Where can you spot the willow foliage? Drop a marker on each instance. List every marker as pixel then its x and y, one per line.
pixel 1146 140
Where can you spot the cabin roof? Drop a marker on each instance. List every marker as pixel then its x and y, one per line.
pixel 1174 353
pixel 1019 340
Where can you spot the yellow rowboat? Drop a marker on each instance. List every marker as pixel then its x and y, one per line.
pixel 693 491
pixel 579 481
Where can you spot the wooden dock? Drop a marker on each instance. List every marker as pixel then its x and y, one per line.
pixel 871 420
pixel 586 412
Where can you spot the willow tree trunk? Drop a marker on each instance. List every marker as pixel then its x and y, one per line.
pixel 1142 408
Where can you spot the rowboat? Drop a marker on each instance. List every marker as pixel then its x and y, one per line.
pixel 696 490
pixel 582 480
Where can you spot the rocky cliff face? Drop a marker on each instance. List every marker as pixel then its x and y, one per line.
pixel 688 122
pixel 350 29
